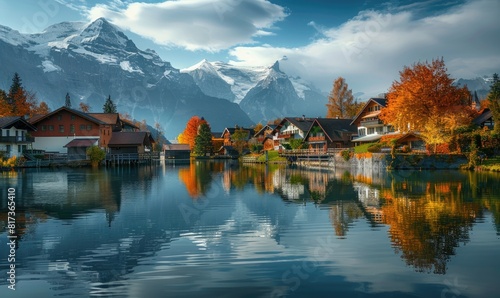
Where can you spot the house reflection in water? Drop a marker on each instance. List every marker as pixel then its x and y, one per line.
pixel 426 212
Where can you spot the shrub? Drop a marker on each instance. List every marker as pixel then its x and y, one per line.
pixel 375 148
pixel 9 163
pixel 346 154
pixel 96 155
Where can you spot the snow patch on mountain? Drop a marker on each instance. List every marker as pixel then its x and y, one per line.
pixel 125 65
pixel 49 66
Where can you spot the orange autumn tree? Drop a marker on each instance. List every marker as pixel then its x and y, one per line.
pixel 191 131
pixel 426 100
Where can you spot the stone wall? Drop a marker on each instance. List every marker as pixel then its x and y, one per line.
pixel 383 161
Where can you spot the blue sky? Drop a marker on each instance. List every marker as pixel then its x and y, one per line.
pixel 366 41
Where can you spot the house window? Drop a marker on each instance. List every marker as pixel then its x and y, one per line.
pixel 72 128
pixel 61 128
pixel 59 117
pixel 89 127
pixel 72 117
pixel 51 127
pixel 7 148
pixel 371 130
pixel 7 132
pixel 82 126
pixel 19 149
pixel 44 127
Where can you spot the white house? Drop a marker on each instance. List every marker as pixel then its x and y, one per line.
pixel 14 137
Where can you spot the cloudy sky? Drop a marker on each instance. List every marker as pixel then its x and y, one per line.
pixel 366 41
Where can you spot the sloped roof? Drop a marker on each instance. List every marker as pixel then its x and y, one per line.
pixel 266 127
pixel 130 138
pixel 368 138
pixel 333 128
pixel 232 130
pixel 17 122
pixel 301 123
pixel 217 135
pixel 380 101
pixel 35 120
pixel 485 115
pixel 108 118
pixel 129 123
pixel 81 143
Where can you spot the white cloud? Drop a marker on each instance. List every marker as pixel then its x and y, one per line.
pixel 370 49
pixel 209 25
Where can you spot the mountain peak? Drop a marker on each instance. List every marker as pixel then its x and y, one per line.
pixel 276 66
pixel 102 32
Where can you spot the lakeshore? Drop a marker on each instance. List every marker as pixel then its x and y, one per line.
pixel 205 225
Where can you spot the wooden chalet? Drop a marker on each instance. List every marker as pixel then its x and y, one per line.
pixel 485 119
pixel 229 131
pixel 264 134
pixel 55 130
pixel 77 148
pixel 15 135
pixel 127 142
pixel 288 128
pixel 58 128
pixel 370 127
pixel 177 151
pixel 217 139
pixel 326 133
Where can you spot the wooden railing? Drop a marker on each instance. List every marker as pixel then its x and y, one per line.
pixel 305 152
pixel 316 138
pixel 18 139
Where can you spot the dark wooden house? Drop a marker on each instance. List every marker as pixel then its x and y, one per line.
pixel 326 133
pixel 131 142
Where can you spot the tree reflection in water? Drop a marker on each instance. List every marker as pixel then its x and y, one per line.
pixel 429 214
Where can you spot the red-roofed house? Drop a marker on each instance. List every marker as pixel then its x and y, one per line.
pixel 57 129
pixel 77 148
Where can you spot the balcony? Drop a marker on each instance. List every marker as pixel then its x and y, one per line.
pixel 318 138
pixel 371 122
pixel 17 140
pixel 284 136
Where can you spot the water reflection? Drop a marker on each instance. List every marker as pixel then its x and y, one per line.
pixel 218 227
pixel 429 214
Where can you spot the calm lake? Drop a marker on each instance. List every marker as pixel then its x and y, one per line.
pixel 220 229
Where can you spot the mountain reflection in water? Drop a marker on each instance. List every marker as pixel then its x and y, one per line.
pixel 209 228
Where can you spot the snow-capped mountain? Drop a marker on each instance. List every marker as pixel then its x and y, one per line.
pixel 92 61
pixel 273 97
pixel 264 93
pixel 480 86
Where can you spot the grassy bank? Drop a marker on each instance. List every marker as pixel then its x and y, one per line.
pixel 490 164
pixel 273 157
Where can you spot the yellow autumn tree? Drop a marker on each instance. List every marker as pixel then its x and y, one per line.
pixel 425 100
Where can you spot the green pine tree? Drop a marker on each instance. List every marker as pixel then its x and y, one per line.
pixel 203 141
pixel 109 106
pixel 67 103
pixel 494 99
pixel 14 88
